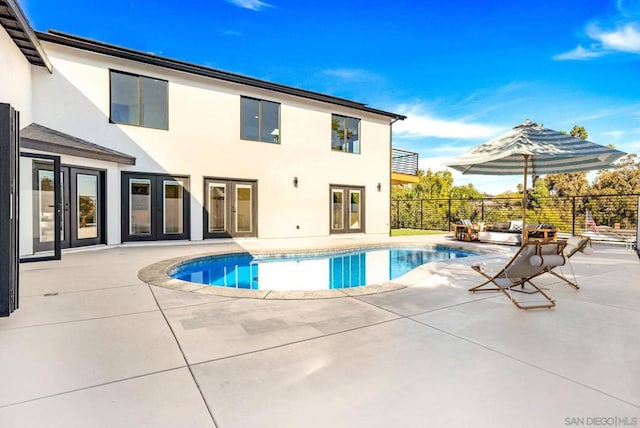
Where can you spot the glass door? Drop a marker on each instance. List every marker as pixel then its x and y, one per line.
pixel 85 218
pixel 40 207
pixel 173 208
pixel 230 208
pixel 242 209
pixel 139 212
pixel 215 215
pixel 337 211
pixel 347 209
pixel 154 207
pixel 355 210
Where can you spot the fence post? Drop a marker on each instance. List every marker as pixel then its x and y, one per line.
pixel 421 212
pixel 573 215
pixel 482 209
pixel 398 214
pixel 449 216
pixel 638 226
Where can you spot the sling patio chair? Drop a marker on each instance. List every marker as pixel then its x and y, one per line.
pixel 530 261
pixel 574 245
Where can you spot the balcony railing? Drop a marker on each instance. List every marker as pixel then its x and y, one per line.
pixel 404 162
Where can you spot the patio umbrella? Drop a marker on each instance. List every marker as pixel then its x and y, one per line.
pixel 531 148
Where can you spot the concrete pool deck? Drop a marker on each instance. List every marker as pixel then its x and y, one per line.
pixel 94 346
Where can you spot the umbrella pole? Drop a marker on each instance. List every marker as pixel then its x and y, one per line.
pixel 524 201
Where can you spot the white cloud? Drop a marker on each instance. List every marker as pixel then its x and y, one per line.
pixel 623 39
pixel 422 124
pixel 608 35
pixel 614 134
pixel 353 75
pixel 231 33
pixel 250 4
pixel 580 53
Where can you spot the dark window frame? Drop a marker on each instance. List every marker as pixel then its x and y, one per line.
pixel 156 207
pixel 260 116
pixel 345 145
pixel 138 78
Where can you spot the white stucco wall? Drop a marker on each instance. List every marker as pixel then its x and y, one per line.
pixel 15 78
pixel 203 140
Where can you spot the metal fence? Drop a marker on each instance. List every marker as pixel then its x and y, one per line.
pixel 604 217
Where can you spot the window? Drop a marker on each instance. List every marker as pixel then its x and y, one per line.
pixel 345 134
pixel 139 100
pixel 260 120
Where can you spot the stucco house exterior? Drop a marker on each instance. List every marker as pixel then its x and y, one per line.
pixel 119 145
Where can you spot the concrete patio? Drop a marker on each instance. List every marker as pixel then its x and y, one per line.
pixel 94 346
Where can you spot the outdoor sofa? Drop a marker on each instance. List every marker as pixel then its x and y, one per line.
pixel 510 232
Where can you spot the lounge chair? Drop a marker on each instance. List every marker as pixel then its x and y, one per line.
pixel 574 245
pixel 531 260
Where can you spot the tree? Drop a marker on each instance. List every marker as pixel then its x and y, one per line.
pixel 579 131
pixel 426 203
pixel 623 179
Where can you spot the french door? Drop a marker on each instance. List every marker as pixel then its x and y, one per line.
pixel 347 209
pixel 154 207
pixel 41 197
pixel 83 214
pixel 80 210
pixel 230 208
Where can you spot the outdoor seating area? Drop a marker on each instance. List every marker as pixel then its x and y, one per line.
pixel 504 232
pixel 501 232
pixel 92 345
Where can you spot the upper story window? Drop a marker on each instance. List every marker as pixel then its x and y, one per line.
pixel 139 100
pixel 260 120
pixel 345 134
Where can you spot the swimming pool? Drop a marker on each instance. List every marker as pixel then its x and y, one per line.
pixel 317 271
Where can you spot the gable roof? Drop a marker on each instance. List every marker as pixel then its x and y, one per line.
pixel 13 20
pixel 173 64
pixel 38 137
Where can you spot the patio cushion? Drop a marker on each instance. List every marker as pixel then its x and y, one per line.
pixel 515 226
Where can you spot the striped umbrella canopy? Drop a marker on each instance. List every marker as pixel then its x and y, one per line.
pixel 531 148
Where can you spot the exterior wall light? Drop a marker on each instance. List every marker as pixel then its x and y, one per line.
pixel 379 186
pixel 295 181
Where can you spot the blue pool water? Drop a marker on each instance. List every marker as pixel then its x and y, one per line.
pixel 342 269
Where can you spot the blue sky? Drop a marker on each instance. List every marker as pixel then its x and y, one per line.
pixel 464 72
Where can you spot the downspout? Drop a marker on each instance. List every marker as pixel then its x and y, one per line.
pixel 393 120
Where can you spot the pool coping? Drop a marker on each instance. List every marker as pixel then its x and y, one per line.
pixel 157 273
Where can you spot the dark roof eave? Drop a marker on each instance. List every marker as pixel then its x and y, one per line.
pixel 129 54
pixel 28 143
pixel 19 18
pixel 38 137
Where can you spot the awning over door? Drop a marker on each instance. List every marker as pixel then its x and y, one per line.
pixel 38 137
